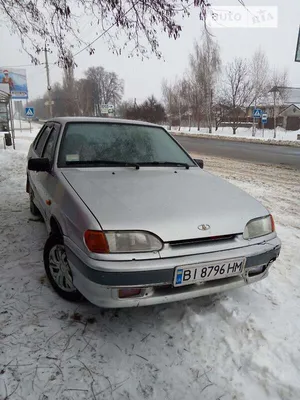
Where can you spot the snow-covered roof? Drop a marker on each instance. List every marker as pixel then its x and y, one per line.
pixel 294 107
pixel 291 94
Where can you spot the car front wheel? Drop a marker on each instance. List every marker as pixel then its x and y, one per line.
pixel 58 270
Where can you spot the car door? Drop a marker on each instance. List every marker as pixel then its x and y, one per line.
pixel 45 182
pixel 36 152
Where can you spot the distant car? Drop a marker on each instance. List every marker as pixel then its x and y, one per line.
pixel 133 220
pixel 35 119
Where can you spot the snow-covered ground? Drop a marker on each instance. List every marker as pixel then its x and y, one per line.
pixel 23 125
pixel 267 135
pixel 241 345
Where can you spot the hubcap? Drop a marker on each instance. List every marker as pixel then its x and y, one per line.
pixel 59 268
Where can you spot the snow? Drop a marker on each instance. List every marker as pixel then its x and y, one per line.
pixel 242 133
pixel 24 125
pixel 241 345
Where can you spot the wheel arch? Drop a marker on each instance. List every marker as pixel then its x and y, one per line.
pixel 55 227
pixel 27 184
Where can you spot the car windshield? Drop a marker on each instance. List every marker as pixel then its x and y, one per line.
pixel 87 143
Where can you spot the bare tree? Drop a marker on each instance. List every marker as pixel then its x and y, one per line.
pixel 187 99
pixel 70 89
pixel 279 92
pixel 123 107
pixel 60 100
pixel 112 88
pixel 205 65
pixel 84 98
pixel 192 96
pixel 59 23
pixel 175 101
pixel 237 90
pixel 180 100
pixel 106 87
pixel 196 83
pixel 168 100
pixel 260 77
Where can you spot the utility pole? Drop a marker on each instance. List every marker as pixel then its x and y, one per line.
pixel 12 127
pixel 211 110
pixel 275 122
pixel 254 121
pixel 48 83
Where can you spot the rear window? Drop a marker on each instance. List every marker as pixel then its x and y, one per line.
pixel 118 142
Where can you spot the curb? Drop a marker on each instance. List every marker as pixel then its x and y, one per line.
pixel 237 139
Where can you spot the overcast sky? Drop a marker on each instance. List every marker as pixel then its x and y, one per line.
pixel 143 78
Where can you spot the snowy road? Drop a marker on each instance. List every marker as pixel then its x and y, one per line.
pixel 253 152
pixel 242 345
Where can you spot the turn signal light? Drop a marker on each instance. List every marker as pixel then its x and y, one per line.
pixel 273 223
pixel 96 242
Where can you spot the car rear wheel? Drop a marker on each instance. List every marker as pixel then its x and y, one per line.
pixel 58 270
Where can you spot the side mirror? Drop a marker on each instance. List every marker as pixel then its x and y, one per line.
pixel 39 164
pixel 199 162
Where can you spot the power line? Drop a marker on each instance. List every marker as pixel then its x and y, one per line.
pixel 48 70
pixel 25 65
pixel 103 33
pixel 111 26
pixel 89 44
pixel 80 51
pixel 92 42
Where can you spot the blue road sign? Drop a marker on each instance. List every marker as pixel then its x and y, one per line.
pixel 257 112
pixel 29 112
pixel 264 118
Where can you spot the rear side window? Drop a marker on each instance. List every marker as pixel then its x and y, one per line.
pixel 42 140
pixel 50 144
pixel 38 136
pixel 49 148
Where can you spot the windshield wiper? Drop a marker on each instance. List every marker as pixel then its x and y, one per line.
pixel 129 164
pixel 104 162
pixel 165 164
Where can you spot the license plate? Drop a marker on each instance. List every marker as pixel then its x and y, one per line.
pixel 189 274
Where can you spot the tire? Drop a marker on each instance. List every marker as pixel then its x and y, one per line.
pixel 58 270
pixel 33 208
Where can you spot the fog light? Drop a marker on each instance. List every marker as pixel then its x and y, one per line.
pixel 256 270
pixel 130 292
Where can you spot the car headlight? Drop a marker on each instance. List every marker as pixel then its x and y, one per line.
pixel 132 242
pixel 259 227
pixel 121 242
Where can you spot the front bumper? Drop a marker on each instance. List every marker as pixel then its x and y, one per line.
pixel 99 281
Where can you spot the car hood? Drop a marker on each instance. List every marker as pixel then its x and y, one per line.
pixel 170 203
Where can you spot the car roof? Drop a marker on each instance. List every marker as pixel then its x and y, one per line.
pixel 64 120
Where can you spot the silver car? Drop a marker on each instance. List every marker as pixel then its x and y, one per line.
pixel 133 220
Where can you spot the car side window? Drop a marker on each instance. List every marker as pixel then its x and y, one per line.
pixel 42 140
pixel 37 138
pixel 50 145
